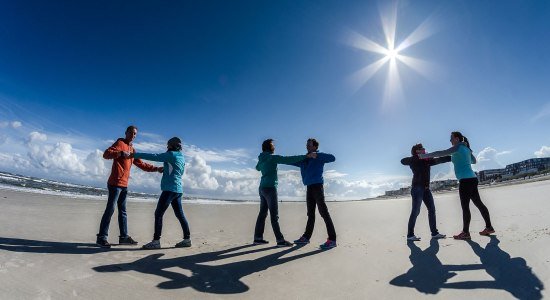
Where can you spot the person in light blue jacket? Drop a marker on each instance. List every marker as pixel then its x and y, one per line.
pixel 171 186
pixel 462 158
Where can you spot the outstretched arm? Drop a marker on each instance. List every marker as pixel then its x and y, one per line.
pixel 324 157
pixel 145 166
pixel 435 154
pixel 161 157
pixel 406 161
pixel 288 160
pixel 440 160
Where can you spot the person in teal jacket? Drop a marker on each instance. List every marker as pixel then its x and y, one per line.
pixel 267 164
pixel 171 186
pixel 462 158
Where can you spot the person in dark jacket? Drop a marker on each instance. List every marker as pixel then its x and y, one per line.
pixel 420 189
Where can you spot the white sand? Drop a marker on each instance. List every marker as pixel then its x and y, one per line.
pixel 47 251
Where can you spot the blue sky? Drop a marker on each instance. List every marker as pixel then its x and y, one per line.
pixel 226 75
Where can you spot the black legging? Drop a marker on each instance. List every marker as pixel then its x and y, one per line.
pixel 468 190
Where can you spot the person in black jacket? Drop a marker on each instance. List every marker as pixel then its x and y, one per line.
pixel 420 189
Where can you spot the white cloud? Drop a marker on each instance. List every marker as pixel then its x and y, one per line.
pixel 198 175
pixel 543 152
pixel 489 158
pixel 13 124
pixel 16 124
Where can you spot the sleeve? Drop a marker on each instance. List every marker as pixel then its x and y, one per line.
pixel 145 166
pixel 435 154
pixel 113 151
pixel 258 166
pixel 406 161
pixel 324 157
pixel 440 160
pixel 161 157
pixel 288 160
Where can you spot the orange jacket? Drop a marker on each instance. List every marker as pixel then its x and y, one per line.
pixel 120 171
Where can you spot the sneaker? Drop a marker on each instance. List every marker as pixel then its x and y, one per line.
pixel 328 245
pixel 438 236
pixel 301 241
pixel 183 244
pixel 462 236
pixel 103 243
pixel 126 241
pixel 260 242
pixel 284 243
pixel 487 231
pixel 413 238
pixel 154 244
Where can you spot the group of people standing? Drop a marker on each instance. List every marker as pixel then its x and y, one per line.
pixel 124 156
pixel 420 162
pixel 311 168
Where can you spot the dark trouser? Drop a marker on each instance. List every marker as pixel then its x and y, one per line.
pixel 422 194
pixel 167 198
pixel 268 201
pixel 315 196
pixel 468 190
pixel 117 195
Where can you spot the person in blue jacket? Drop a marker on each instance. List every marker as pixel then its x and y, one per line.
pixel 462 158
pixel 312 177
pixel 171 186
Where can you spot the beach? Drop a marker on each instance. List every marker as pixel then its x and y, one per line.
pixel 47 251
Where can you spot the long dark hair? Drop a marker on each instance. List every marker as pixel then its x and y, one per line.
pixel 462 138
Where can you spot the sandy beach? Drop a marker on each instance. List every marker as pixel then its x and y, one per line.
pixel 47 251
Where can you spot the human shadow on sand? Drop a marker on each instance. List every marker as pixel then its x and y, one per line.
pixel 34 246
pixel 215 279
pixel 428 275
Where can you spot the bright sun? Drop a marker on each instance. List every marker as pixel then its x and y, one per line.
pixel 391 54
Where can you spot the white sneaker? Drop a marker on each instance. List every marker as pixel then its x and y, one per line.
pixel 439 236
pixel 413 238
pixel 154 244
pixel 184 243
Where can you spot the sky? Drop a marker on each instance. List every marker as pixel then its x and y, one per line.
pixel 225 75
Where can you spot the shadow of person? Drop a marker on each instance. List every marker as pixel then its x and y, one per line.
pixel 215 279
pixel 511 274
pixel 34 246
pixel 427 274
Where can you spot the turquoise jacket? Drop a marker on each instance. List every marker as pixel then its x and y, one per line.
pixel 267 164
pixel 174 165
pixel 462 159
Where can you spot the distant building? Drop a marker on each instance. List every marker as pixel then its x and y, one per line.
pixel 527 166
pixel 399 192
pixel 492 174
pixel 443 184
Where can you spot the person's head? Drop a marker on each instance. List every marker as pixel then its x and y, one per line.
pixel 417 149
pixel 131 133
pixel 268 146
pixel 457 137
pixel 174 144
pixel 312 145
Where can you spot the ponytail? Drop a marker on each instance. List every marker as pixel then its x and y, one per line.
pixel 462 138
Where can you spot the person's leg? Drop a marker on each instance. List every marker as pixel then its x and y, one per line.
pixel 430 205
pixel 319 193
pixel 109 210
pixel 178 211
pixel 476 199
pixel 164 201
pixel 310 203
pixel 417 195
pixel 260 221
pixel 122 217
pixel 273 205
pixel 464 191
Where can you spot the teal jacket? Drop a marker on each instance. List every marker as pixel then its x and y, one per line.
pixel 174 165
pixel 462 159
pixel 267 164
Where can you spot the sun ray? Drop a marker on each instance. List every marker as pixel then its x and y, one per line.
pixel 360 77
pixel 423 67
pixel 393 91
pixel 389 24
pixel 422 32
pixel 357 40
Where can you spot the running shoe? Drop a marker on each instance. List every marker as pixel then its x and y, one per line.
pixel 439 236
pixel 487 231
pixel 413 238
pixel 126 241
pixel 284 243
pixel 462 236
pixel 328 245
pixel 302 241
pixel 103 243
pixel 260 242
pixel 184 244
pixel 154 244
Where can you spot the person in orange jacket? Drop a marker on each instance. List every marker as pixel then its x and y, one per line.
pixel 120 152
